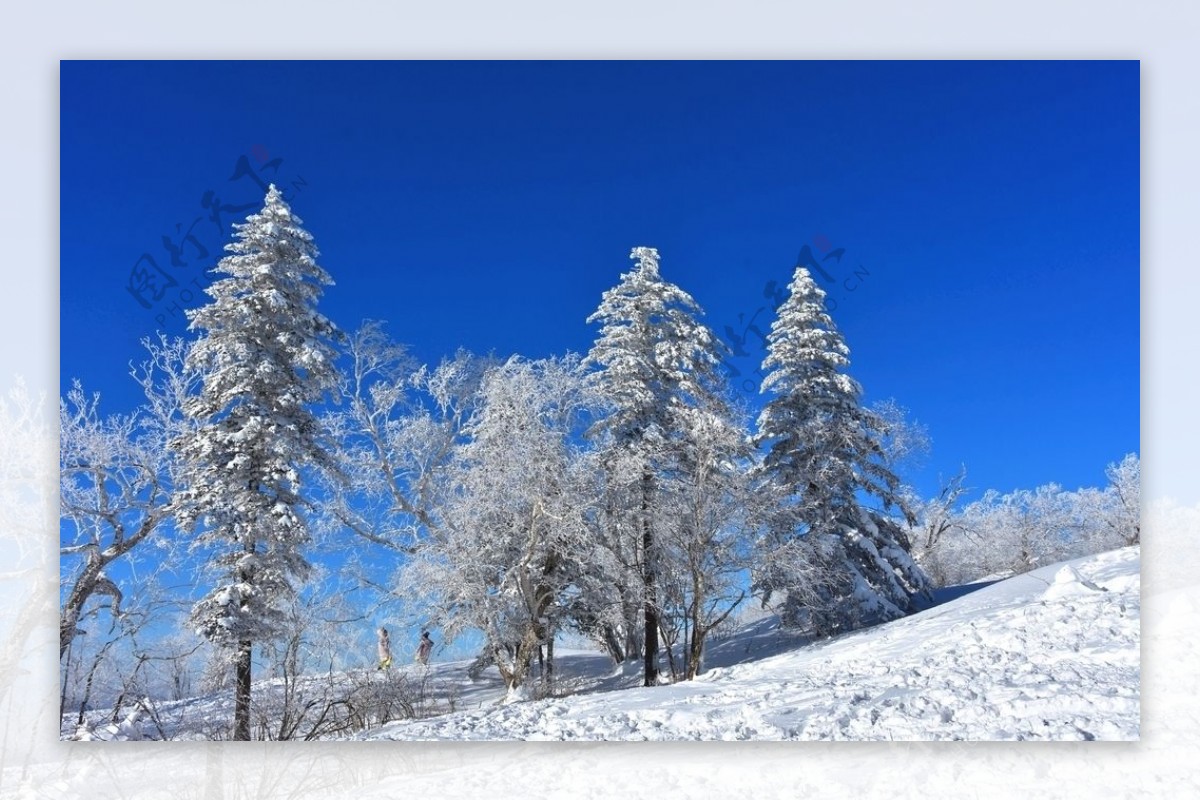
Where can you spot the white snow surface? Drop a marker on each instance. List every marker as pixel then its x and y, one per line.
pixel 1049 655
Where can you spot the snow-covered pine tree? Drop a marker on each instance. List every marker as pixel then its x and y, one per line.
pixel 653 359
pixel 266 357
pixel 825 459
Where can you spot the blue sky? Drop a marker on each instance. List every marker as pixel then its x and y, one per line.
pixel 987 216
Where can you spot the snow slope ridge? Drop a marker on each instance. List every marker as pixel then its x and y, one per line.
pixel 1048 655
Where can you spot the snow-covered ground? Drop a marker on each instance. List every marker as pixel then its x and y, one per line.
pixel 1049 655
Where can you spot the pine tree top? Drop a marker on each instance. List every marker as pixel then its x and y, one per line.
pixel 653 353
pixel 804 345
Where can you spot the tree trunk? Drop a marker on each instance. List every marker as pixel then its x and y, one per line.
pixel 241 709
pixel 696 644
pixel 696 651
pixel 669 644
pixel 91 581
pixel 613 643
pixel 650 582
pixel 241 702
pixel 651 656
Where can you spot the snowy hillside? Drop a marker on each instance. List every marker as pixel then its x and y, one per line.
pixel 1049 655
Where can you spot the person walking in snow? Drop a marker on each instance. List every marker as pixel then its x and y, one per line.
pixel 385 650
pixel 424 648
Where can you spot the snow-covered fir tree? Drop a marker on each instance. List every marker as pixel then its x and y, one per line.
pixel 838 561
pixel 266 357
pixel 654 358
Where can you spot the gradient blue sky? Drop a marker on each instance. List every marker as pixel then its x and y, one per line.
pixel 988 214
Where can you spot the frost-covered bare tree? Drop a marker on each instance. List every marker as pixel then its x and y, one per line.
pixel 396 435
pixel 112 498
pixel 115 484
pixel 939 515
pixel 317 638
pixel 704 516
pixel 652 359
pixel 511 539
pixel 936 519
pixel 1013 532
pixel 608 606
pixel 825 454
pixel 267 360
pixel 1021 530
pixel 903 441
pixel 1125 487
